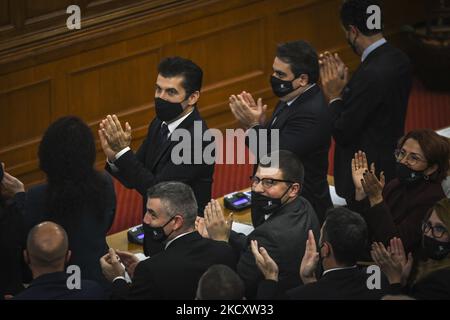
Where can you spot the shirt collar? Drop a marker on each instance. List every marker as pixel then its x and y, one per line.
pixel 372 47
pixel 335 269
pixel 178 236
pixel 292 101
pixel 173 125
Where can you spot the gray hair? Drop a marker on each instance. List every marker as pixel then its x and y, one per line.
pixel 176 198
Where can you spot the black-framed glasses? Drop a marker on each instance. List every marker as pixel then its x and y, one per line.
pixel 411 158
pixel 267 182
pixel 436 231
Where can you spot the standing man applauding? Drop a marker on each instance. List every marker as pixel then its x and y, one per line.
pixel 177 91
pixel 369 110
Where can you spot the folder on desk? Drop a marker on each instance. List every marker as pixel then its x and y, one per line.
pixel 242 228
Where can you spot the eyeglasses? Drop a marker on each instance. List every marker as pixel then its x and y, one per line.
pixel 436 231
pixel 411 158
pixel 266 182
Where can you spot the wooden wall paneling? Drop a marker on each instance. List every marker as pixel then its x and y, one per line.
pixel 5 15
pixel 117 79
pixel 228 47
pixel 110 65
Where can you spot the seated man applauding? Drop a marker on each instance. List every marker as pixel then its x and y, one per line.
pixel 173 273
pixel 342 239
pixel 288 217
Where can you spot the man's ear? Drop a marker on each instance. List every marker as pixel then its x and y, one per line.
pixel 26 258
pixel 295 190
pixel 301 81
pixel 327 250
pixel 354 30
pixel 193 98
pixel 68 255
pixel 179 222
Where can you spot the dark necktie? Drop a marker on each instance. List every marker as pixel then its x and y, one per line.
pixel 163 133
pixel 281 106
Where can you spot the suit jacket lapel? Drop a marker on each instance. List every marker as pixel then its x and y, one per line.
pixel 162 149
pixel 273 117
pixel 285 114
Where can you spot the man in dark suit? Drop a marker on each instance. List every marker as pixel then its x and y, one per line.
pixel 288 217
pixel 301 116
pixel 46 254
pixel 158 159
pixel 369 110
pixel 343 238
pixel 173 273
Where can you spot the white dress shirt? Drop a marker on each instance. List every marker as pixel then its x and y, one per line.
pixel 170 126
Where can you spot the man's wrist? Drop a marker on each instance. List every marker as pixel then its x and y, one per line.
pixel 309 279
pixel 119 277
pixel 220 238
pixel 250 125
pixel 335 98
pixel 395 279
pixel 121 152
pixel 272 277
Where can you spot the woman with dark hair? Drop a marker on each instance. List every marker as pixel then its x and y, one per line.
pixel 76 196
pixel 398 209
pixel 12 199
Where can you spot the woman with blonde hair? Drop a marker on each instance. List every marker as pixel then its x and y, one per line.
pixel 431 276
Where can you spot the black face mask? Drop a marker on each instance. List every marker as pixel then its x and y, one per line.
pixel 266 205
pixel 167 111
pixel 158 234
pixel 281 87
pixel 434 249
pixel 408 175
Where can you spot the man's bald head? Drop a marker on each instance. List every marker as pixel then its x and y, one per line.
pixel 47 245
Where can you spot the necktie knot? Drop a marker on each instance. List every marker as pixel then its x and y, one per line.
pixel 164 132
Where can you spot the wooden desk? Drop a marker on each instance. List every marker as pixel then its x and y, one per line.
pixel 120 241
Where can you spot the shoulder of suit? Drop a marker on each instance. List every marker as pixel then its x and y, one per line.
pixel 314 104
pixel 384 55
pixel 216 244
pixel 38 188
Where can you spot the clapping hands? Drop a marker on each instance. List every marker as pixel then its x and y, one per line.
pixel 248 112
pixel 113 138
pixel 218 228
pixel 393 261
pixel 365 181
pixel 333 75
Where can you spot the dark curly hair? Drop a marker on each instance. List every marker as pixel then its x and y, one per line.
pixel 67 156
